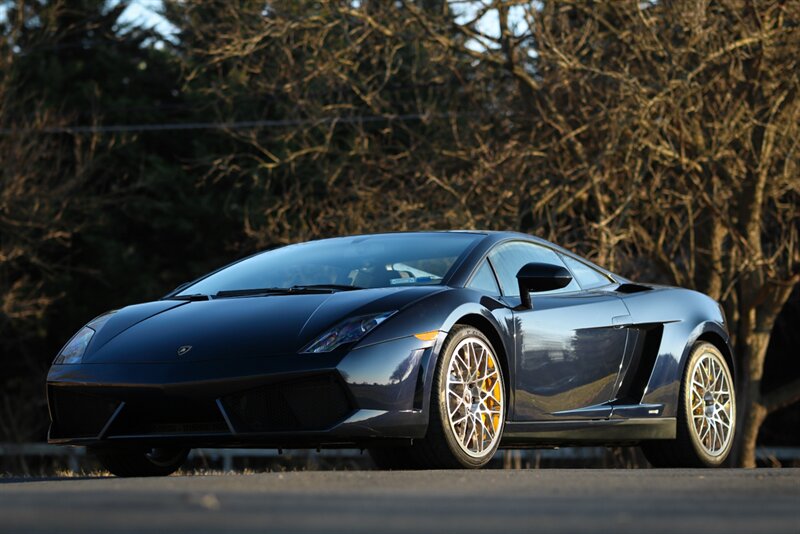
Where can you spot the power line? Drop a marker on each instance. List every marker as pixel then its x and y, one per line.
pixel 233 125
pixel 263 98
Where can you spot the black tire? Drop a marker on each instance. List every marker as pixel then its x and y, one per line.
pixel 141 462
pixel 440 448
pixel 686 450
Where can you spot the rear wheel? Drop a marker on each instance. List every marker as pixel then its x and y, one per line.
pixel 142 462
pixel 706 421
pixel 467 409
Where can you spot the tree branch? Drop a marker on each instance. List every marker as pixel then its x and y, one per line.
pixel 782 397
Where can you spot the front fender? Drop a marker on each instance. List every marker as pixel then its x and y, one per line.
pixel 441 312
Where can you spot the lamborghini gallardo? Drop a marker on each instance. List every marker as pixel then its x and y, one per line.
pixel 427 349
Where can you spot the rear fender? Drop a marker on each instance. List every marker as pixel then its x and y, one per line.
pixel 676 347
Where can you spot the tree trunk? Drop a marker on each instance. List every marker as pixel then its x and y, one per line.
pixel 754 415
pixel 753 350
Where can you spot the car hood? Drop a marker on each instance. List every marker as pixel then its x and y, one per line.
pixel 238 327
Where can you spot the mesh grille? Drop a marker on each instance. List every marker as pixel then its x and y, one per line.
pixel 78 414
pixel 315 403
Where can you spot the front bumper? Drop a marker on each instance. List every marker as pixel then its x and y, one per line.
pixel 300 400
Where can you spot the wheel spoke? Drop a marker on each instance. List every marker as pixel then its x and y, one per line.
pixel 475 397
pixel 488 393
pixel 711 403
pixel 717 376
pixel 459 404
pixel 461 419
pixel 463 367
pixel 722 411
pixel 489 375
pixel 454 413
pixel 713 437
pixel 481 433
pixel 468 430
pixel 722 423
pixel 473 362
pixel 704 428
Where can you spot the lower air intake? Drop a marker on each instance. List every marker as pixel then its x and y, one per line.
pixel 153 413
pixel 314 403
pixel 79 415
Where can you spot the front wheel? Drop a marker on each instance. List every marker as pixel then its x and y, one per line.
pixel 142 462
pixel 468 404
pixel 706 422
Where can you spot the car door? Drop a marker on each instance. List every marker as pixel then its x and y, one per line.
pixel 568 347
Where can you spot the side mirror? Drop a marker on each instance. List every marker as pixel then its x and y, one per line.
pixel 537 277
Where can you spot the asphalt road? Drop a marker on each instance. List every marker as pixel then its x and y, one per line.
pixel 552 500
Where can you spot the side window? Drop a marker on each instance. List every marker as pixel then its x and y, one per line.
pixel 509 258
pixel 586 276
pixel 484 280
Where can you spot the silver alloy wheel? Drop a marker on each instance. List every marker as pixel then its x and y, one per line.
pixel 475 397
pixel 712 404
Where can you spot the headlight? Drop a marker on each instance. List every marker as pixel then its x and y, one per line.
pixel 75 347
pixel 348 331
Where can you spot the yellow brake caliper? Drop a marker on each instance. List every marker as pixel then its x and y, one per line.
pixel 492 385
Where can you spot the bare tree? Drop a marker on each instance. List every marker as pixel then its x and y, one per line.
pixel 46 196
pixel 667 136
pixel 377 126
pixel 659 137
pixel 680 120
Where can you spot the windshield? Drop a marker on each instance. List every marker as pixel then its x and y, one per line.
pixel 362 262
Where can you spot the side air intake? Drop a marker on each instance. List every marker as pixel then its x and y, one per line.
pixel 647 343
pixel 633 288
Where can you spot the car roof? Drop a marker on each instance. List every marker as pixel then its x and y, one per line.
pixel 466 266
pixel 492 238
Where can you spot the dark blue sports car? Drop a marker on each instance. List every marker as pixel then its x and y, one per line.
pixel 429 349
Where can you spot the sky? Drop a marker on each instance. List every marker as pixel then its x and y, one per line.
pixel 140 11
pixel 146 12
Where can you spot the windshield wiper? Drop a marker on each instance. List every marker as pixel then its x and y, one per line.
pixel 330 287
pixel 193 297
pixel 294 290
pixel 252 292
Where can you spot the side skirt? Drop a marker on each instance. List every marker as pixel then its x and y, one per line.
pixel 592 432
